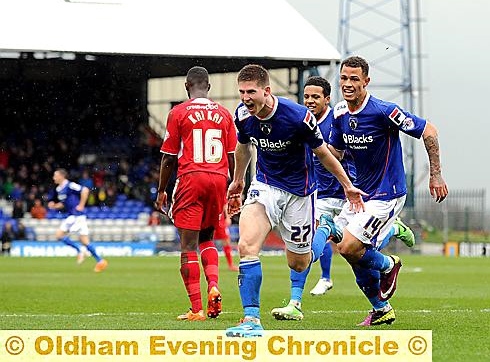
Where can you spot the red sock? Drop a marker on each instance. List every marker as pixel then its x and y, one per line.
pixel 228 256
pixel 209 260
pixel 191 274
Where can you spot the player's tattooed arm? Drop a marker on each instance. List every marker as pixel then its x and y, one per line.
pixel 432 146
pixel 437 186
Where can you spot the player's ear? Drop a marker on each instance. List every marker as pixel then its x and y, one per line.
pixel 366 81
pixel 209 87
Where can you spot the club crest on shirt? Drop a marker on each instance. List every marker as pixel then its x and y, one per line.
pixel 253 193
pixel 407 124
pixel 353 123
pixel 266 128
pixel 242 113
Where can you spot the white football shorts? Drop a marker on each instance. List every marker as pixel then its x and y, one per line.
pixel 328 206
pixel 75 224
pixel 290 215
pixel 372 225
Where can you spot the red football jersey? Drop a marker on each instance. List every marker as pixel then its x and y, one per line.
pixel 201 133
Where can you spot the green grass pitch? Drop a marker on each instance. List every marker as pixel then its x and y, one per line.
pixel 450 296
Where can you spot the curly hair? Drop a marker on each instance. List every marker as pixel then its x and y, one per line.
pixel 320 82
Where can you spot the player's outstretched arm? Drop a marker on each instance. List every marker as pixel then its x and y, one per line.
pixel 243 155
pixel 437 186
pixel 330 162
pixel 83 198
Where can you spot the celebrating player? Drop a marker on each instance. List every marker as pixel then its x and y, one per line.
pixel 329 203
pixel 369 128
pixel 281 196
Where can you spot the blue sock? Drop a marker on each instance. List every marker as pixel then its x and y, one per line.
pixel 326 260
pixel 298 281
pixel 373 259
pixel 70 242
pixel 377 303
pixel 249 282
pixel 319 242
pixel 91 248
pixel 368 282
pixel 386 240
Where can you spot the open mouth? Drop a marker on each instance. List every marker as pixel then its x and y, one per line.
pixel 347 91
pixel 250 106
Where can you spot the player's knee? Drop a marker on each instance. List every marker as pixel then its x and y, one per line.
pixel 299 265
pixel 348 251
pixel 246 249
pixel 206 234
pixel 298 268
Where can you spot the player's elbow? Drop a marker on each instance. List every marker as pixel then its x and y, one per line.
pixel 429 131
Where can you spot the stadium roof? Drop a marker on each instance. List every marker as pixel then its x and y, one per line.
pixel 166 36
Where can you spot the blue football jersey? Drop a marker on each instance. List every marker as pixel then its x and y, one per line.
pixel 372 135
pixel 68 194
pixel 284 140
pixel 328 185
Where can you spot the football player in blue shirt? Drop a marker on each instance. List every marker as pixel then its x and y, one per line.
pixel 72 197
pixel 329 202
pixel 369 128
pixel 281 195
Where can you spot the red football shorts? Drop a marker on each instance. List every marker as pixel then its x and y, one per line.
pixel 198 200
pixel 221 231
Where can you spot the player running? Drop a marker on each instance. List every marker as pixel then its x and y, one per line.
pixel 72 197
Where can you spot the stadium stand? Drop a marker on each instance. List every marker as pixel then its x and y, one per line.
pixel 106 224
pixel 111 156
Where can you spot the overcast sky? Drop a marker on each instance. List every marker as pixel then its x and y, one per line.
pixel 456 68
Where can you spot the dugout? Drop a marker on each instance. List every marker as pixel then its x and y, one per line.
pixel 89 71
pixel 75 53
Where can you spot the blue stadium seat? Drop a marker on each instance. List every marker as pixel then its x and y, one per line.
pixel 30 233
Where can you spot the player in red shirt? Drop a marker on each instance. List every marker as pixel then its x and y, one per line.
pixel 222 235
pixel 200 140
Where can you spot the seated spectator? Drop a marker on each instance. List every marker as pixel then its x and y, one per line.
pixel 38 211
pixel 155 219
pixel 86 180
pixel 17 192
pixel 18 209
pixel 21 232
pixel 8 235
pixel 106 195
pixel 111 195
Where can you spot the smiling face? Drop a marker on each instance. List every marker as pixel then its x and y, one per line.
pixel 254 97
pixel 315 99
pixel 353 83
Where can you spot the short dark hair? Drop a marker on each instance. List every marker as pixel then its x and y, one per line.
pixel 356 62
pixel 319 82
pixel 63 172
pixel 254 73
pixel 197 75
